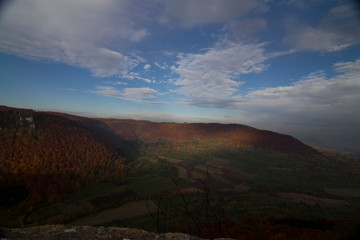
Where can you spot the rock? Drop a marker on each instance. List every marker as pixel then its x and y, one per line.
pixel 100 230
pixel 178 236
pixel 61 232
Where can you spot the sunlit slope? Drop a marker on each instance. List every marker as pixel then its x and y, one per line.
pixel 234 135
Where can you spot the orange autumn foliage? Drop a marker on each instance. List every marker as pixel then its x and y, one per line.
pixel 53 155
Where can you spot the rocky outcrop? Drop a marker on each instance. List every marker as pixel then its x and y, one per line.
pixel 61 232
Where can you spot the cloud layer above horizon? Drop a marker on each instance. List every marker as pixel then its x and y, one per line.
pixel 291 66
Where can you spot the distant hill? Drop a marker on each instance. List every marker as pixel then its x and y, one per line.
pixel 175 134
pixel 45 155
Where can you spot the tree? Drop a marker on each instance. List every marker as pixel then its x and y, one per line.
pixel 198 214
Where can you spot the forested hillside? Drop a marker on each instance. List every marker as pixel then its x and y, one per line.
pixel 44 156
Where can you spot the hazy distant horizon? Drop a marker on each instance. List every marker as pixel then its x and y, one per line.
pixel 317 142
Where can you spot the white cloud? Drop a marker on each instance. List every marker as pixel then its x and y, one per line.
pixel 114 83
pixel 120 83
pixel 147 66
pixel 134 75
pixel 336 31
pixel 163 67
pixel 88 34
pixel 316 91
pixel 132 94
pixel 327 106
pixel 211 78
pixel 144 92
pixel 189 13
pixel 144 79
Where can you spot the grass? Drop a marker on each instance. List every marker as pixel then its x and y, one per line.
pixel 150 184
pixel 92 191
pixel 114 199
pixel 278 180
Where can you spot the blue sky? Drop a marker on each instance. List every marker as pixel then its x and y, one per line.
pixel 288 66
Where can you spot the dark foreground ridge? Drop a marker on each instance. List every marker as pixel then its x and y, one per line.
pixel 61 232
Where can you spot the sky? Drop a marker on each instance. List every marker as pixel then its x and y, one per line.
pixel 290 66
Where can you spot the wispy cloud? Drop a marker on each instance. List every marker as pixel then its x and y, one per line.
pixel 147 66
pixel 40 29
pixel 131 94
pixel 212 77
pixel 163 67
pixel 114 83
pixel 120 83
pixel 135 75
pixel 327 105
pixel 336 31
pixel 315 91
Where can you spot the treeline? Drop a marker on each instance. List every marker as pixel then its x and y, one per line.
pixel 44 156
